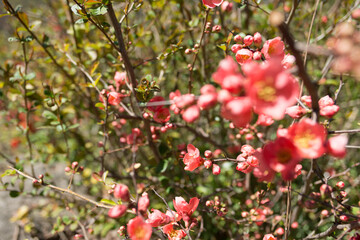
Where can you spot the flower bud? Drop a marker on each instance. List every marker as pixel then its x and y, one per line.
pixel 122 191
pixel 248 40
pixel 216 169
pixel 117 211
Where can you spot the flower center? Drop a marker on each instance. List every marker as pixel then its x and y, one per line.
pixel 283 156
pixel 303 140
pixel 266 92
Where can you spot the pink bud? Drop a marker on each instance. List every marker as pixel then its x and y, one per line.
pixel 235 48
pixel 122 191
pixel 340 184
pixel 216 28
pixel 344 218
pixel 295 225
pixel 207 164
pixel 238 38
pixel 324 213
pixel 248 40
pixel 257 55
pixel 257 39
pixel 216 169
pixel 208 154
pixel 74 165
pixel 117 211
pixel 280 231
pixel 295 112
pixel 188 51
pixel 143 202
pixel 67 169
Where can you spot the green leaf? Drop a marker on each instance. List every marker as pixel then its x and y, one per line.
pixel 49 115
pixel 29 76
pixel 81 21
pixel 222 46
pixel 73 126
pixel 98 11
pixel 8 172
pixel 108 201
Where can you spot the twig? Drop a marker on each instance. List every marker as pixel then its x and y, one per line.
pixel 63 190
pixel 292 12
pixel 27 133
pixel 197 52
pixel 344 131
pixel 288 212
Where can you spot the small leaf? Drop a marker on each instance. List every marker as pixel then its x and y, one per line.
pixel 81 21
pixel 108 201
pixel 8 172
pixel 24 18
pixel 29 76
pixel 49 115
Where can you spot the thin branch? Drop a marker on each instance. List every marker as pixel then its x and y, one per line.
pixel 62 190
pixel 309 84
pixel 197 51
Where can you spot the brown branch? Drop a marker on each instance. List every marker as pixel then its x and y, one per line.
pixel 197 51
pixel 62 190
pixel 309 84
pixel 344 131
pixel 335 226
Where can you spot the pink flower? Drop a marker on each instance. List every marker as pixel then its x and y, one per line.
pixel 174 216
pixel 306 100
pixel 119 78
pixel 143 202
pixel 117 211
pixel 238 110
pixel 153 100
pixel 184 100
pixel 243 166
pixel 244 56
pixel 207 89
pixel 122 191
pixel 192 159
pixel 327 107
pixel 270 88
pixel 226 6
pixel 191 114
pixel 208 97
pixel 162 115
pixel 157 218
pixel 172 233
pixel 269 237
pixel 273 48
pixel 309 137
pixel 114 98
pixel 288 61
pixel 336 146
pixel 264 120
pixel 280 156
pixel 295 112
pixel 228 76
pixel 138 229
pixel 212 3
pixel 184 208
